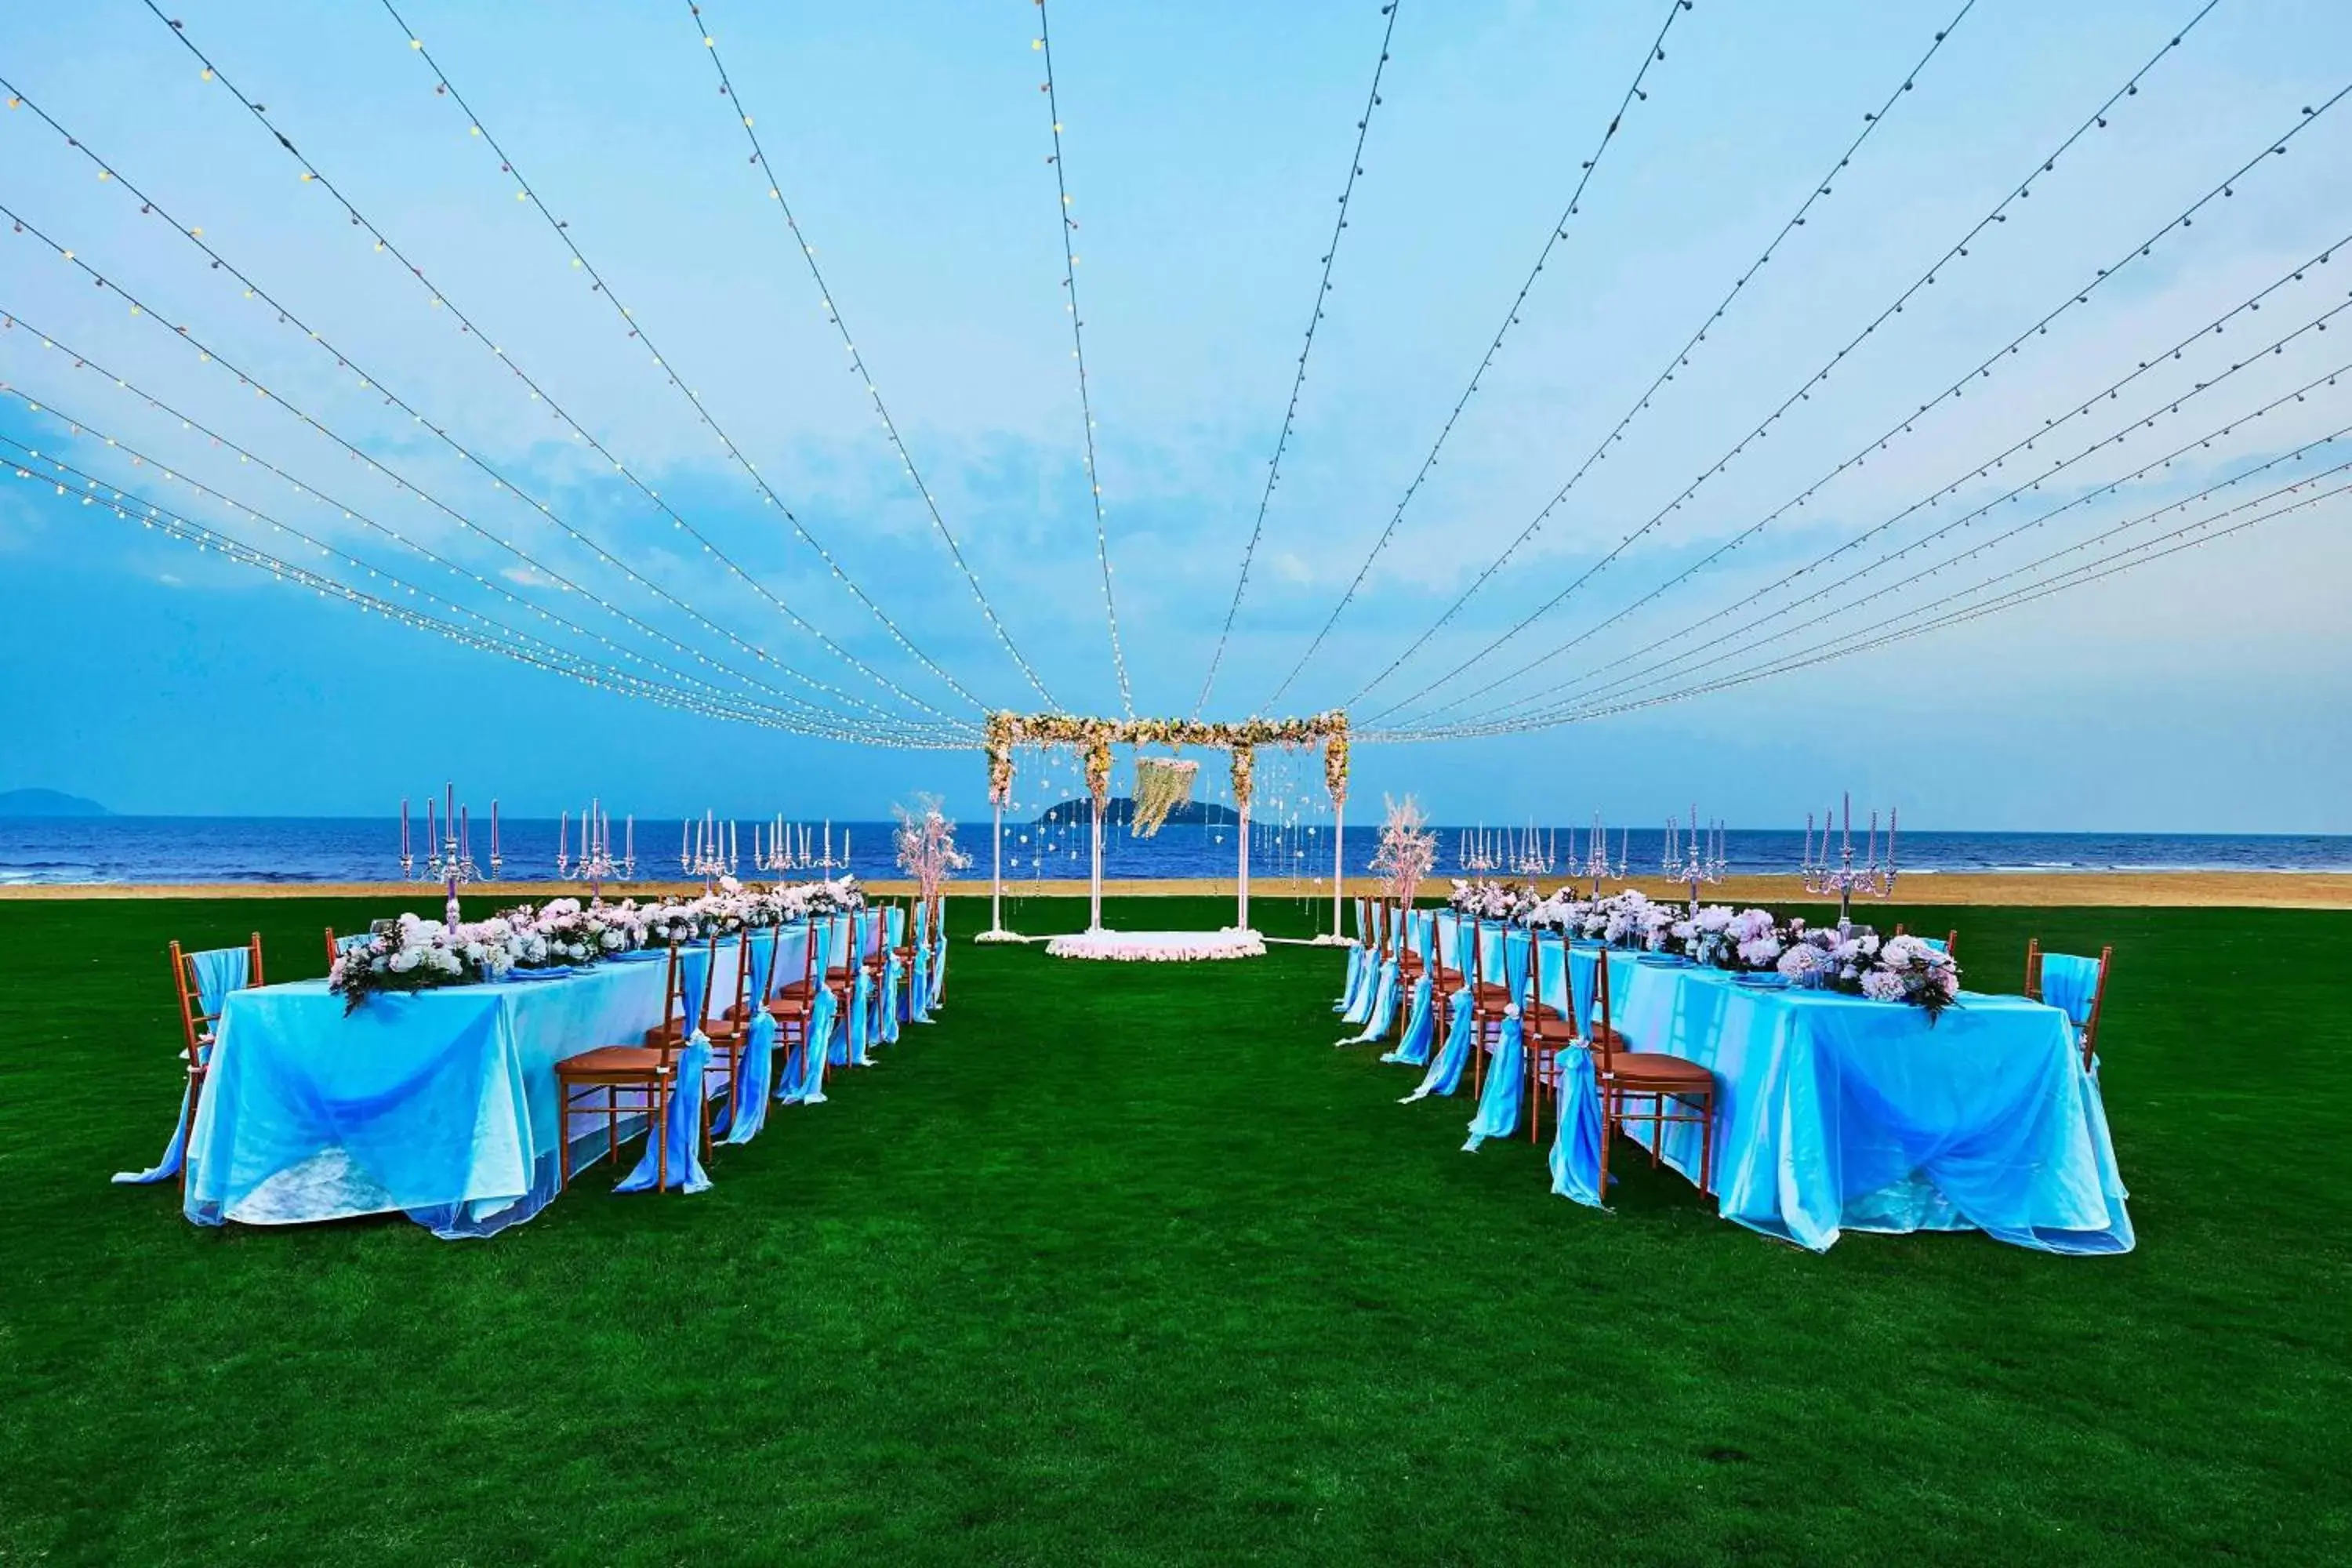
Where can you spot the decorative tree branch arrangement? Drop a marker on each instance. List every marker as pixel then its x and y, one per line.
pixel 1408 849
pixel 927 846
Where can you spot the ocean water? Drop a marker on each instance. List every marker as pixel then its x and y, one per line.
pixel 112 849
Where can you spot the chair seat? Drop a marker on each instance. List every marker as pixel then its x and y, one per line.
pixel 1647 1069
pixel 789 1008
pixel 619 1064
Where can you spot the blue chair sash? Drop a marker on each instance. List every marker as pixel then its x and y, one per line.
pixel 686 1168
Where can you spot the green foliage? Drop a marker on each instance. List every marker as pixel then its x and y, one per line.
pixel 1127 1263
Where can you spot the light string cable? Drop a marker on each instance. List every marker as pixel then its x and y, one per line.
pixel 1552 237
pixel 1715 633
pixel 180 333
pixel 1680 359
pixel 1298 375
pixel 1044 43
pixel 601 287
pixel 1620 690
pixel 857 365
pixel 131 507
pixel 11 321
pixel 1903 426
pixel 311 174
pixel 2140 554
pixel 80 427
pixel 1566 709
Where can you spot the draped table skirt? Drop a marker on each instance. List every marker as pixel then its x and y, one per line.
pixel 441 1104
pixel 1836 1112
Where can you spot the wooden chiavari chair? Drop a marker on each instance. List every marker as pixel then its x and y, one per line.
pixel 1678 1092
pixel 200 1029
pixel 1949 946
pixel 792 1002
pixel 2080 1001
pixel 1409 960
pixel 1490 994
pixel 906 952
pixel 1545 1029
pixel 646 1073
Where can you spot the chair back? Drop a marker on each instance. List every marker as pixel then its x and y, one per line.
pixel 1489 957
pixel 1547 982
pixel 202 982
pixel 1599 1030
pixel 1447 960
pixel 2077 986
pixel 1420 933
pixel 808 935
pixel 1363 908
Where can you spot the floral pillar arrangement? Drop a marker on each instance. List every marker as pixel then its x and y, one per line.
pixel 1334 779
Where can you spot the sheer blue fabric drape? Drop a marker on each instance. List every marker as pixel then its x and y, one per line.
pixel 686 1171
pixel 218 972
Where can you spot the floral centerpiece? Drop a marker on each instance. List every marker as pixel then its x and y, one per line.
pixel 563 933
pixel 1858 963
pixel 416 954
pixel 1488 899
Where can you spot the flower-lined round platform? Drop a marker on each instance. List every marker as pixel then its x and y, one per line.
pixel 1158 946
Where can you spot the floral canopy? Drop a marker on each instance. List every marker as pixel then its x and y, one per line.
pixel 1095 737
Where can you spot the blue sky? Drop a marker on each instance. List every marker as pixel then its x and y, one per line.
pixel 1205 146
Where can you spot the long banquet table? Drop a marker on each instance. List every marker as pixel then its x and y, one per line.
pixel 1840 1113
pixel 439 1104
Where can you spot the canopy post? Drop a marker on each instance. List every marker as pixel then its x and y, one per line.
pixel 996 872
pixel 1339 858
pixel 1241 882
pixel 1094 886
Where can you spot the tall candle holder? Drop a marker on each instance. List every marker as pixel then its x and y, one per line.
pixel 1845 879
pixel 1694 857
pixel 1535 854
pixel 707 849
pixel 449 857
pixel 1596 856
pixel 597 865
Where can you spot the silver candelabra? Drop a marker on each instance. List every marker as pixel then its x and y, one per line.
pixel 597 864
pixel 1845 879
pixel 707 848
pixel 449 847
pixel 1694 857
pixel 1596 856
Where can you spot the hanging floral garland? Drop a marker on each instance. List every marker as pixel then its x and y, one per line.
pixel 1095 737
pixel 1162 784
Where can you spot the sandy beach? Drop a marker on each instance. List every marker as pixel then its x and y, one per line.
pixel 2047 890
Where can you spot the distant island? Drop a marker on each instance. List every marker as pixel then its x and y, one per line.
pixel 1120 810
pixel 48 803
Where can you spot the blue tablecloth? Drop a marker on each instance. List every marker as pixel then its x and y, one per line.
pixel 1840 1113
pixel 441 1105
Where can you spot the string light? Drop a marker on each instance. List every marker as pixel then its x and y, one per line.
pixel 468 328
pixel 600 286
pixel 1680 359
pixel 1552 237
pixel 132 508
pixel 857 366
pixel 1298 375
pixel 1713 623
pixel 1044 43
pixel 2075 578
pixel 371 383
pixel 810 719
pixel 1983 371
pixel 1647 678
pixel 1577 713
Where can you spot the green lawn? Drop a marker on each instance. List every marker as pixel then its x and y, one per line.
pixel 1126 1264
